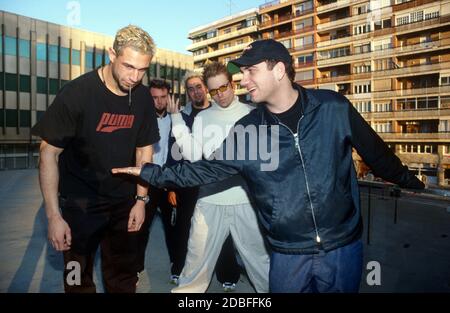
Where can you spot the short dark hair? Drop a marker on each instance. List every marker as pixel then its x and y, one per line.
pixel 290 71
pixel 214 69
pixel 159 84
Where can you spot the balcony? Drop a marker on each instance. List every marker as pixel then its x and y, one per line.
pixel 340 22
pixel 343 78
pixel 274 4
pixel 440 21
pixel 224 37
pixel 402 137
pixel 333 6
pixel 441 90
pixel 397 51
pixel 410 5
pixel 425 114
pixel 412 70
pixel 209 55
pixel 284 18
pixel 290 33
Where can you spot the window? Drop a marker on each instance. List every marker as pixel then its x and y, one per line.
pixel 286 43
pixel 403 20
pixel 304 59
pixel 41 51
pixel 363 106
pixel 76 57
pixel 25 118
pixel 10 46
pixel 302 76
pixel 227 30
pixel 25 83
pixel 53 53
pixel 431 15
pixel 88 59
pixel 240 42
pixel 24 48
pixel 362 88
pixel 363 68
pixel 54 86
pixel 382 24
pixel 211 34
pixel 382 127
pixel 383 107
pixel 98 58
pixel 362 9
pixel 416 16
pixel 65 55
pixel 41 85
pixel 365 48
pixel 447 150
pixel 251 21
pixel 304 41
pixel 444 126
pixel 361 29
pixel 226 45
pixel 152 69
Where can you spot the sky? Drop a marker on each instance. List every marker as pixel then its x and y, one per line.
pixel 167 21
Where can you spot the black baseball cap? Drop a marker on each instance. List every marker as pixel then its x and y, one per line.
pixel 259 51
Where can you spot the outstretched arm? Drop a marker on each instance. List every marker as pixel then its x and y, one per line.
pixel 183 174
pixel 187 174
pixel 377 155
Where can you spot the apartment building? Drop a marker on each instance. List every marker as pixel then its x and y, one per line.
pixel 37 59
pixel 390 58
pixel 293 23
pixel 392 61
pixel 224 40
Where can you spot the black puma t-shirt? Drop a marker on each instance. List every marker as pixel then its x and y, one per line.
pixel 98 131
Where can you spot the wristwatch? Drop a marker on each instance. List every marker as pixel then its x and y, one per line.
pixel 146 199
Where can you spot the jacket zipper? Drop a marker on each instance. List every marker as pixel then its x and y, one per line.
pixel 297 145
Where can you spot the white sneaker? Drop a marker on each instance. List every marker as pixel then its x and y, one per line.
pixel 229 287
pixel 174 279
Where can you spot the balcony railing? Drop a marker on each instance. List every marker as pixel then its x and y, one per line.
pixel 415 136
pixel 236 48
pixel 332 6
pixel 399 115
pixel 284 18
pixel 239 33
pixel 441 90
pixel 295 32
pixel 410 4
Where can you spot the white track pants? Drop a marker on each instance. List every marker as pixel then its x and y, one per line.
pixel 210 226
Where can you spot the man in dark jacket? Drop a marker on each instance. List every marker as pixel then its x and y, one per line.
pixel 307 195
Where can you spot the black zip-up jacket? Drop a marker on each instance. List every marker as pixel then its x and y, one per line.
pixel 304 186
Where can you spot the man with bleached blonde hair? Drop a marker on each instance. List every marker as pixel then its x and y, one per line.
pixel 96 122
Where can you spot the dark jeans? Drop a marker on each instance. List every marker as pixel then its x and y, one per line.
pixel 100 222
pixel 338 270
pixel 176 228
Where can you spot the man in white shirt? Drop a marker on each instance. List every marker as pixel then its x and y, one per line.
pixel 162 198
pixel 224 207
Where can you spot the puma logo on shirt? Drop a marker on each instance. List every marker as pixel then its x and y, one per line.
pixel 111 122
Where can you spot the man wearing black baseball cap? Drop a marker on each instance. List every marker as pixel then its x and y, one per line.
pixel 309 204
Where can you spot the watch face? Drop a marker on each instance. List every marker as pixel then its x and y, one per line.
pixel 143 198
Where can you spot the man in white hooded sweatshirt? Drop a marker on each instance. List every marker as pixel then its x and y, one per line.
pixel 223 207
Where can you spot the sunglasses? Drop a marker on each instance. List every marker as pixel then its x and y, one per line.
pixel 222 89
